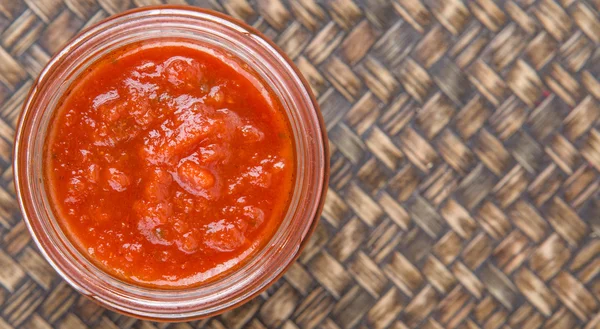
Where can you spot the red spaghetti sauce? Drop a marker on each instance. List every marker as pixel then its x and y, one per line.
pixel 169 164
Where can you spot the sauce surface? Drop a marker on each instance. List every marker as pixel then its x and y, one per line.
pixel 169 164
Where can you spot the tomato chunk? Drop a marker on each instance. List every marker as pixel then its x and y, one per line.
pixel 193 176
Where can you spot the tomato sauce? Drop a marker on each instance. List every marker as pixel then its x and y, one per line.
pixel 169 164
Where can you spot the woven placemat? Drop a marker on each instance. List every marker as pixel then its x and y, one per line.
pixel 465 158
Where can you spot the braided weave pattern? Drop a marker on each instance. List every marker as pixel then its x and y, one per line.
pixel 465 159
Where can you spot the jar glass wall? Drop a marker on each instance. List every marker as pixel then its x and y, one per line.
pixel 195 26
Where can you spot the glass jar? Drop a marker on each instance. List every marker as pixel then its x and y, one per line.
pixel 217 30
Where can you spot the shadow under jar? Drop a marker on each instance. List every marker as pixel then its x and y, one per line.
pixel 177 33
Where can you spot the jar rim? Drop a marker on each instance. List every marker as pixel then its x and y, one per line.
pixel 123 302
